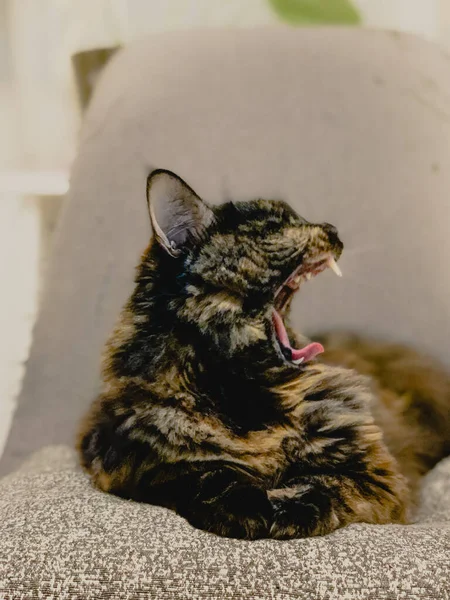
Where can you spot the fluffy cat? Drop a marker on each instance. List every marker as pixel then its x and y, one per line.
pixel 213 407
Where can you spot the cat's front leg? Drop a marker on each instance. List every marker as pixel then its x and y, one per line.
pixel 225 501
pixel 318 504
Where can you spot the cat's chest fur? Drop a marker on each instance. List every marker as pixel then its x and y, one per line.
pixel 265 428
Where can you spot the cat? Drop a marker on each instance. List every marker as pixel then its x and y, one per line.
pixel 212 406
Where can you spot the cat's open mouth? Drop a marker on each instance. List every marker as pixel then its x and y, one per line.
pixel 303 273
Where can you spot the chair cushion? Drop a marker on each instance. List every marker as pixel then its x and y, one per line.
pixel 60 538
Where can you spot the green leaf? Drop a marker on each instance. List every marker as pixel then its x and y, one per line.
pixel 316 11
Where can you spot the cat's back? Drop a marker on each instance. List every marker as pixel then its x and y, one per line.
pixel 412 396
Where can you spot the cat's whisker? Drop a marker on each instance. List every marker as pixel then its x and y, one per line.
pixel 374 288
pixel 358 250
pixel 354 225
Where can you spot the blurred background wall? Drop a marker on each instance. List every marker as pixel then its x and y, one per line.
pixel 42 98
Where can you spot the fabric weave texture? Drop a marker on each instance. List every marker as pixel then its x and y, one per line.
pixel 62 539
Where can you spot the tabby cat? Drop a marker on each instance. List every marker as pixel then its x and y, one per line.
pixel 214 407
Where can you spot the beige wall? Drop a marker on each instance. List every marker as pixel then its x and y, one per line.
pixel 417 16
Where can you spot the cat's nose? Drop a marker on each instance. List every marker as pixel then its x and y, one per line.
pixel 330 229
pixel 332 233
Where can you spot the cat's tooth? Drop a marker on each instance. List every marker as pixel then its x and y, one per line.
pixel 308 276
pixel 298 361
pixel 334 266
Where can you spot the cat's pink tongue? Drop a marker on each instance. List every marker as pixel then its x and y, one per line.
pixel 308 352
pixel 298 355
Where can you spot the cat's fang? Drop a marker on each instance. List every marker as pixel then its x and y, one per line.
pixel 334 266
pixel 298 361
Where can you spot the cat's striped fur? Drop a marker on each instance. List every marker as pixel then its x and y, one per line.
pixel 202 412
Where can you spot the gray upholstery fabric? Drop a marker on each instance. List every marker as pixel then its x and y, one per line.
pixel 59 538
pixel 351 126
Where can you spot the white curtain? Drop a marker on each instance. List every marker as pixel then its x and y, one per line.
pixel 43 36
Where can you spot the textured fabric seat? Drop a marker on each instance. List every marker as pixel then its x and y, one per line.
pixel 350 126
pixel 66 540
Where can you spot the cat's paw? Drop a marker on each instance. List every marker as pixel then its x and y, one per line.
pixel 244 513
pixel 296 515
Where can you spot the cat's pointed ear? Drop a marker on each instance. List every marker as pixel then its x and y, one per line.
pixel 177 214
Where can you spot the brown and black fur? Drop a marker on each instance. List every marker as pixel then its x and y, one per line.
pixel 201 412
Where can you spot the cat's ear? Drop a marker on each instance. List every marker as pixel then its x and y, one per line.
pixel 177 214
